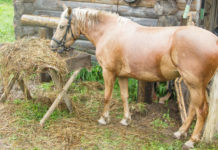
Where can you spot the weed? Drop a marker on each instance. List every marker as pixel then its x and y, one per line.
pixel 191 129
pixel 166 116
pixel 46 85
pixel 35 111
pixel 133 89
pixel 158 123
pixel 156 145
pixel 161 90
pixel 17 101
pixel 94 75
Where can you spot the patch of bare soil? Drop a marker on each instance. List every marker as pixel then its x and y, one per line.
pixel 81 130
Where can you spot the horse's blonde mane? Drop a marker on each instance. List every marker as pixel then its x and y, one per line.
pixel 92 16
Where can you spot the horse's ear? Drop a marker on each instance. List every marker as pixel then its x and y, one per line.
pixel 69 11
pixel 64 6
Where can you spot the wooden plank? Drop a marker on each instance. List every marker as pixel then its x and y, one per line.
pixel 81 61
pixel 211 10
pixel 182 3
pixel 142 3
pixel 82 44
pixel 29 1
pixel 144 21
pixel 53 13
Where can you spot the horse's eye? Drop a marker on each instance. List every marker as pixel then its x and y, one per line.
pixel 61 27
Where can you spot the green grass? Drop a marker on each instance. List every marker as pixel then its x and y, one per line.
pixel 6 19
pixel 35 111
pixel 96 75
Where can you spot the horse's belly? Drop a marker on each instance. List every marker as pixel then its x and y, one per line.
pixel 161 70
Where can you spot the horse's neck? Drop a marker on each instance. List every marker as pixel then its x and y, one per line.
pixel 95 31
pixel 93 34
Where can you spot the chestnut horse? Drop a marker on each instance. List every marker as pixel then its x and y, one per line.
pixel 125 49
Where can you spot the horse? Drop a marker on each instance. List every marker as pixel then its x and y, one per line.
pixel 125 49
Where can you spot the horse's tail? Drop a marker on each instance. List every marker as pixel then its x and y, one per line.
pixel 211 126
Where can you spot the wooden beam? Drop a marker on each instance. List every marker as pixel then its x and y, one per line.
pixel 43 21
pixel 82 61
pixel 59 97
pixel 59 85
pixel 142 3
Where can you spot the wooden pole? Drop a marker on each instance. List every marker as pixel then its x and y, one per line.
pixel 145 92
pixel 59 84
pixel 59 97
pixel 180 99
pixel 43 21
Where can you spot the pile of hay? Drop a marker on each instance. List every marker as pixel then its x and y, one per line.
pixel 28 56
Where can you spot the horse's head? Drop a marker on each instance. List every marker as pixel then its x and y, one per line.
pixel 66 32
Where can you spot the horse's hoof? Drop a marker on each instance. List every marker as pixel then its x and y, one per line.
pixel 177 135
pixel 125 122
pixel 102 121
pixel 188 145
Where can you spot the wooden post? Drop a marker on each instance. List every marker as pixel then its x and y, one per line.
pixel 50 33
pixel 145 91
pixel 8 88
pixel 24 88
pixel 59 97
pixel 43 32
pixel 180 99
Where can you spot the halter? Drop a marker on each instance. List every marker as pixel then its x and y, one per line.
pixel 62 42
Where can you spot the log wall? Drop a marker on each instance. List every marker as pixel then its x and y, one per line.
pixel 144 12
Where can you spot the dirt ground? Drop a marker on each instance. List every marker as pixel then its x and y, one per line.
pixel 152 125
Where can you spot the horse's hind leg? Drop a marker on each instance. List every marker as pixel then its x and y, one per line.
pixel 201 109
pixel 199 106
pixel 123 82
pixel 109 79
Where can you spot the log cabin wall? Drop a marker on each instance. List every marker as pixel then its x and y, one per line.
pixel 144 12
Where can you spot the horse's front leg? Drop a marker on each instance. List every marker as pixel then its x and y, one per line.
pixel 109 79
pixel 123 82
